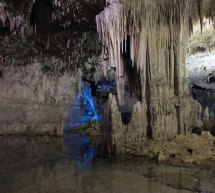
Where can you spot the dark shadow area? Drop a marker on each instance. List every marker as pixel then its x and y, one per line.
pixel 126 117
pixel 133 74
pixel 205 97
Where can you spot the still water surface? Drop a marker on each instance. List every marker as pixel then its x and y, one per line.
pixel 55 165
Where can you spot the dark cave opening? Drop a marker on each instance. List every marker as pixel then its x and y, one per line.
pixel 133 74
pixel 132 84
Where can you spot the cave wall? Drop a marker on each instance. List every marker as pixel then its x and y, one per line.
pixel 32 102
pixel 158 36
pixel 45 48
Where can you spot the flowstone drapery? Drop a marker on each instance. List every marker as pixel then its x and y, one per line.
pixel 149 37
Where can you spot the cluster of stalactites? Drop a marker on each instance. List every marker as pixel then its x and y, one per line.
pixel 17 23
pixel 123 18
pixel 209 10
pixel 65 7
pixel 136 19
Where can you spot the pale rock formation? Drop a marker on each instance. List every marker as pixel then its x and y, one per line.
pixel 155 35
pixel 186 149
pixel 32 102
pixel 189 149
pixel 206 115
pixel 119 138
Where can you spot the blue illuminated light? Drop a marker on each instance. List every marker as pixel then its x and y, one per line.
pixel 86 94
pixel 84 108
pixel 80 150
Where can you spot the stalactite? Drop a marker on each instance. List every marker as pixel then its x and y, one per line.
pixel 47 44
pixel 137 18
pixel 17 23
pixel 125 18
pixel 79 79
pixel 209 10
pixel 68 44
pixel 151 36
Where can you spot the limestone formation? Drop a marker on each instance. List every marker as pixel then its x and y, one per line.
pixel 150 37
pixel 119 138
pixel 39 70
pixel 192 149
pixel 32 102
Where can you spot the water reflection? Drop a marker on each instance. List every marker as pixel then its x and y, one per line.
pixel 42 164
pixel 78 147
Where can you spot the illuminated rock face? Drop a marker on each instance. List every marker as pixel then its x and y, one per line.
pixel 83 109
pixel 153 35
pixel 32 102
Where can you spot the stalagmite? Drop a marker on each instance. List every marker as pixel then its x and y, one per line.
pixel 150 38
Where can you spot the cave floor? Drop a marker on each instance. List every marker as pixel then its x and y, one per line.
pixel 44 164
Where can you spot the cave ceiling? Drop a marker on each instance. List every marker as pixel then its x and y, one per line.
pixel 64 29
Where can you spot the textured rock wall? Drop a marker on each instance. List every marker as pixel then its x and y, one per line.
pixel 32 102
pixel 42 44
pixel 157 34
pixel 119 138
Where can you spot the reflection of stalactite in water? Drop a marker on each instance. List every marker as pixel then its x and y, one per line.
pixel 80 150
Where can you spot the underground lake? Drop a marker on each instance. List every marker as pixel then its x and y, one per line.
pixel 112 96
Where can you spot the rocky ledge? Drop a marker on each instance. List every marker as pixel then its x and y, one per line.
pixel 192 149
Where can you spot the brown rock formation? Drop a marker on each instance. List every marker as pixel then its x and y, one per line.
pixel 152 38
pixel 32 102
pixel 118 137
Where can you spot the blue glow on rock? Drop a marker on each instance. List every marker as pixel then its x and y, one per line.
pixel 86 94
pixel 84 108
